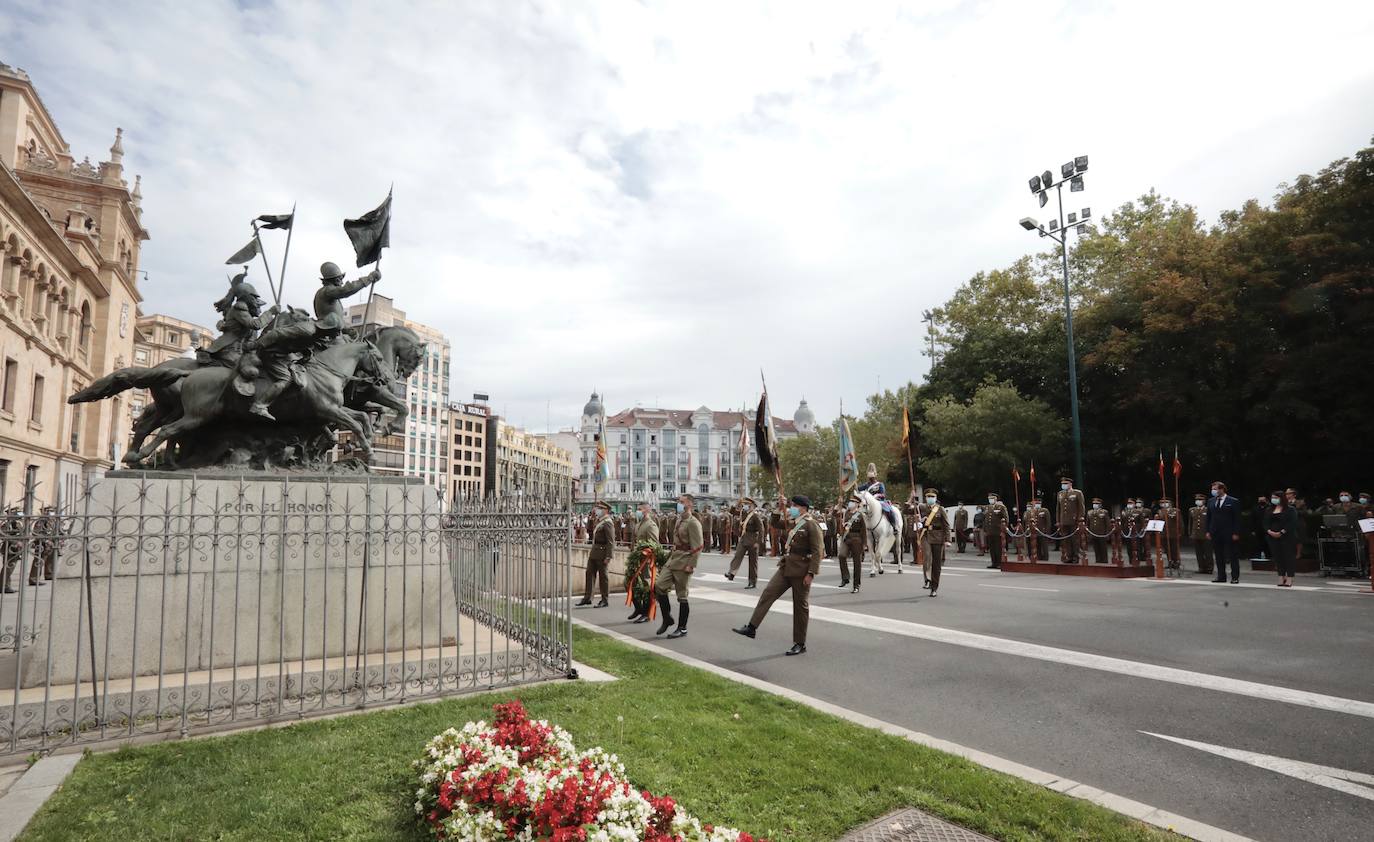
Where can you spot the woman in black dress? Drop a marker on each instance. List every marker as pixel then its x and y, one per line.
pixel 1281 534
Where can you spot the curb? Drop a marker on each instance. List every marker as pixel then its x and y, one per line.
pixel 29 792
pixel 1162 819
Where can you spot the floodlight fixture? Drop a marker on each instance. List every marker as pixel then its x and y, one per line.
pixel 1073 217
pixel 1076 185
pixel 1044 198
pixel 1087 212
pixel 1047 179
pixel 1035 184
pixel 1081 163
pixel 1029 223
pixel 1054 225
pixel 1066 170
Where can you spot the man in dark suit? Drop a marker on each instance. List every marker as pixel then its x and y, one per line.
pixel 1223 530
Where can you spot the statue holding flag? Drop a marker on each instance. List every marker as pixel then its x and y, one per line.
pixel 277 386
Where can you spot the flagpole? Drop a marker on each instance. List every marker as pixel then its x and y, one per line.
pixel 281 287
pixel 768 425
pixel 1162 492
pixel 1016 485
pixel 265 265
pixel 1177 471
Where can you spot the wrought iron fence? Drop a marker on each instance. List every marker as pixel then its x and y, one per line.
pixel 164 604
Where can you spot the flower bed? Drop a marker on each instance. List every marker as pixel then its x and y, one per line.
pixel 522 779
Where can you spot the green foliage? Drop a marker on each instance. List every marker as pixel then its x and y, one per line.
pixel 724 750
pixel 1245 343
pixel 977 441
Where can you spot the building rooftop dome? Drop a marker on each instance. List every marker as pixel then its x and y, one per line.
pixel 593 407
pixel 804 415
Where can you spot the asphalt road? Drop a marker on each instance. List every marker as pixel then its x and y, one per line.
pixel 1089 678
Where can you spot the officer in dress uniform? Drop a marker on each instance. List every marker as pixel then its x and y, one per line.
pixel 1099 524
pixel 935 533
pixel 1070 508
pixel 598 560
pixel 960 527
pixel 1197 533
pixel 750 540
pixel 800 563
pixel 677 570
pixel 994 526
pixel 853 545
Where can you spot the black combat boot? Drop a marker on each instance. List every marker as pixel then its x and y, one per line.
pixel 683 611
pixel 642 606
pixel 666 609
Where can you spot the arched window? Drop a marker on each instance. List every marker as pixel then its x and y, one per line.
pixel 84 336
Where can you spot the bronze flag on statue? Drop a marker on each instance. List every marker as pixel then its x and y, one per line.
pixel 244 254
pixel 371 232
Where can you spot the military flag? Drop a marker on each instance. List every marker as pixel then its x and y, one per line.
pixel 1162 492
pixel 765 438
pixel 906 447
pixel 370 233
pixel 849 461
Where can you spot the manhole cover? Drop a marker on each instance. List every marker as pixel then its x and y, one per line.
pixel 913 826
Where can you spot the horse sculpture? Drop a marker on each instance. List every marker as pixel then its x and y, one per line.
pixel 882 533
pixel 343 385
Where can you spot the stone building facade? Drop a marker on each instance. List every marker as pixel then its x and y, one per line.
pixel 523 463
pixel 467 437
pixel 70 237
pixel 657 454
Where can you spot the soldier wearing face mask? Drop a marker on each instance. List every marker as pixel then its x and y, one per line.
pixel 1173 531
pixel 1069 510
pixel 1099 530
pixel 1038 517
pixel 1126 528
pixel 1197 531
pixel 935 533
pixel 750 540
pixel 853 545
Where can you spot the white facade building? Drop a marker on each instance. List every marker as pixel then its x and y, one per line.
pixel 657 454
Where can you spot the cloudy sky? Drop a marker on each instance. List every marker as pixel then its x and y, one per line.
pixel 657 199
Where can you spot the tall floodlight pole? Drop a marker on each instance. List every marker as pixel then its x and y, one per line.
pixel 1058 230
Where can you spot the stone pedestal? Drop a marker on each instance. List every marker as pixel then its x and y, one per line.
pixel 163 573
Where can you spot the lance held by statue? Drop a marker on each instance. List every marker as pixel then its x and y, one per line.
pixel 276 385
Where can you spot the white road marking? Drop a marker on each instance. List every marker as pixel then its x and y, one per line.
pixel 720 577
pixel 1351 783
pixel 1018 588
pixel 1136 810
pixel 1271 586
pixel 1086 660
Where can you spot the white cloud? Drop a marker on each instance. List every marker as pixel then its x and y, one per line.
pixel 658 199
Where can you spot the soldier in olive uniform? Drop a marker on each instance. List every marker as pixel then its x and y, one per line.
pixel 1070 509
pixel 960 527
pixel 598 560
pixel 750 540
pixel 677 571
pixel 935 533
pixel 994 530
pixel 853 545
pixel 800 563
pixel 1099 530
pixel 645 530
pixel 1038 543
pixel 1197 532
pixel 1140 517
pixel 831 533
pixel 1172 538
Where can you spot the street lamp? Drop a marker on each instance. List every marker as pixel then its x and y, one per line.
pixel 1071 173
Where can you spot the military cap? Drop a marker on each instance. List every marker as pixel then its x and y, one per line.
pixel 802 500
pixel 1165 500
pixel 750 501
pixel 1066 479
pixel 602 504
pixel 1097 500
pixel 932 490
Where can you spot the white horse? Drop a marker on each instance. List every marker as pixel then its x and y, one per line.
pixel 882 536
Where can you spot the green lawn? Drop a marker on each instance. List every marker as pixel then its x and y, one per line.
pixel 730 754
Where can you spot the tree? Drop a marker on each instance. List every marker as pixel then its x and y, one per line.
pixel 977 442
pixel 810 466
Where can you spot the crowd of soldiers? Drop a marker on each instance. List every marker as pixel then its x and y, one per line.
pixel 29 545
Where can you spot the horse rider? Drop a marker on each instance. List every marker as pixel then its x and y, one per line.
pixel 329 311
pixel 241 319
